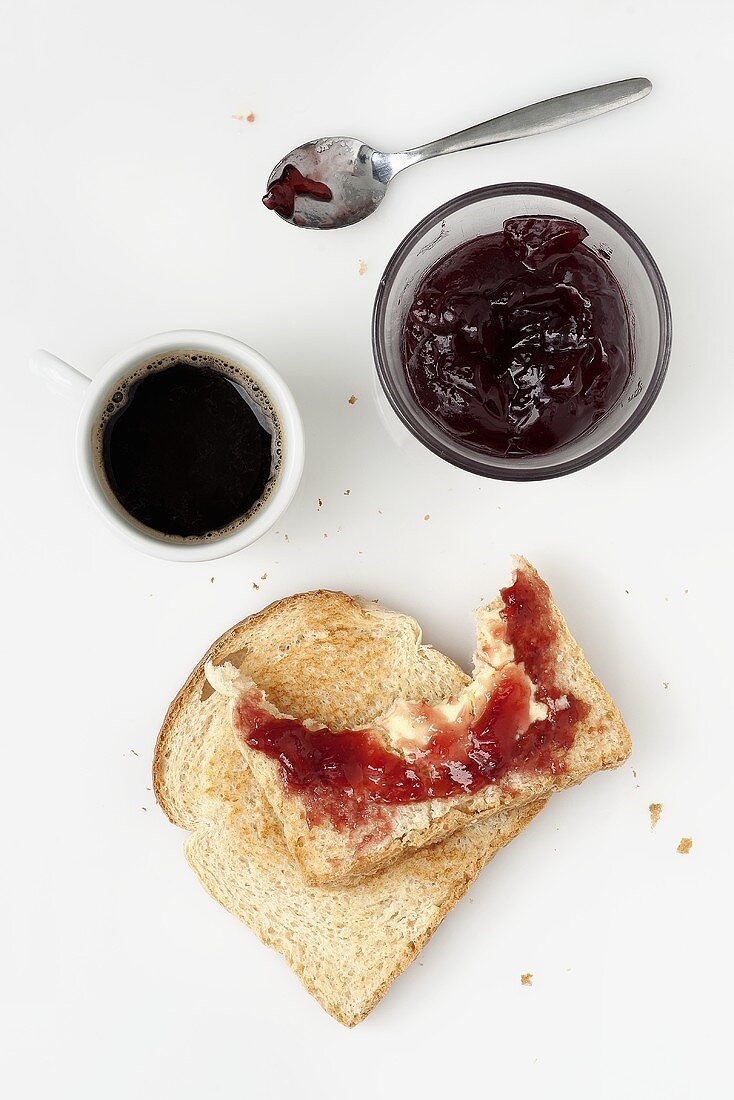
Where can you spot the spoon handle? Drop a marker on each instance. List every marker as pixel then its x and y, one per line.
pixel 535 119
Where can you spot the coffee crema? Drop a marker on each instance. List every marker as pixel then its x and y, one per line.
pixel 189 446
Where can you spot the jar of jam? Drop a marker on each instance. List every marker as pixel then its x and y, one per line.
pixel 521 331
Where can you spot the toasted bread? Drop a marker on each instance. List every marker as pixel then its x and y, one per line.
pixel 325 653
pixel 329 854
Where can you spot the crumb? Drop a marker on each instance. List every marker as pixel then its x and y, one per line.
pixel 133 752
pixel 656 808
pixel 148 788
pixel 325 535
pixel 627 591
pixel 426 516
pixel 212 580
pixel 339 529
pixel 362 267
pixel 263 576
pixel 352 399
pixel 634 773
pixel 526 979
pixel 665 684
pixel 359 551
pixel 321 504
pixel 286 538
pixel 256 586
pixel 144 809
pixel 250 116
pixel 685 845
pixel 379 512
pixel 347 492
pixel 685 591
pixel 238 117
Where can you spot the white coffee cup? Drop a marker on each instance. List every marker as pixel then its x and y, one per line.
pixel 92 393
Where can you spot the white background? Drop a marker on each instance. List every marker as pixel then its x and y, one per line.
pixel 129 204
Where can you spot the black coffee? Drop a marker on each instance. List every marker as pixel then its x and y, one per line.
pixel 189 446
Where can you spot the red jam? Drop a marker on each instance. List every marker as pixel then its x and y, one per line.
pixel 344 777
pixel 516 343
pixel 281 195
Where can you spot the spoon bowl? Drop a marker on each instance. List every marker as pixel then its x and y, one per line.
pixel 348 166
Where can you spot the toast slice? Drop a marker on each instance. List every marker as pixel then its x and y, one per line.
pixel 331 849
pixel 327 653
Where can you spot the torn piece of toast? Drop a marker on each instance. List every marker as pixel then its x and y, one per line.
pixel 321 652
pixel 352 801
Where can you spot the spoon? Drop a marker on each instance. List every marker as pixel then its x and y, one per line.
pixel 357 175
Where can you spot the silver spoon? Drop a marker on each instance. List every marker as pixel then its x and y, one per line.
pixel 358 175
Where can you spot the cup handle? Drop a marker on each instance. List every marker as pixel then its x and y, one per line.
pixel 60 376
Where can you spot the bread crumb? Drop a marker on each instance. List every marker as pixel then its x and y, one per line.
pixel 263 576
pixel 685 845
pixel 656 808
pixel 286 538
pixel 325 535
pixel 666 684
pixel 347 492
pixel 251 116
pixel 321 505
pixel 241 117
pixel 144 809
pixel 133 752
pixel 634 774
pixel 256 586
pixel 526 979
pixel 685 591
pixel 627 591
pixel 212 580
pixel 427 516
pixel 362 267
pixel 352 399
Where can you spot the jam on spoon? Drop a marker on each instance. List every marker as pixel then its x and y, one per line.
pixel 518 342
pixel 281 194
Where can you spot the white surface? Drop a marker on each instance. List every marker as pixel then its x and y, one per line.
pixel 130 205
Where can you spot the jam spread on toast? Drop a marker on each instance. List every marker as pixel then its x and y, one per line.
pixel 516 343
pixel 281 194
pixel 343 777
